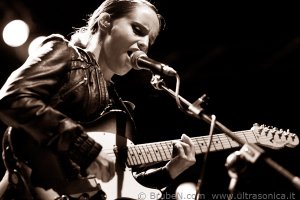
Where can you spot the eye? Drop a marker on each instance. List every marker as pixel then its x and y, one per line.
pixel 138 30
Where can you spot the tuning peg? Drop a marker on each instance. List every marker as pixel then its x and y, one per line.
pixel 287 132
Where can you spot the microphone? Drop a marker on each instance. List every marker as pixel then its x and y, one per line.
pixel 140 60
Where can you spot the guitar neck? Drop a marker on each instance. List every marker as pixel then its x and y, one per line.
pixel 162 151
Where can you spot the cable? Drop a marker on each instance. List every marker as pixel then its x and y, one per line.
pixel 200 180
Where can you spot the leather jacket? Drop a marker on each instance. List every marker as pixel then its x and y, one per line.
pixel 45 100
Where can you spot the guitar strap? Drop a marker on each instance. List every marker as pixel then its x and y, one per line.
pixel 121 123
pixel 126 106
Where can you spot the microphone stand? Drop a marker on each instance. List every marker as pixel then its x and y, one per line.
pixel 251 152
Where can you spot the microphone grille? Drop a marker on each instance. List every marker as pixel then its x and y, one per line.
pixel 134 57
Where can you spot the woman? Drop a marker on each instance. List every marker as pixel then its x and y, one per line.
pixel 67 84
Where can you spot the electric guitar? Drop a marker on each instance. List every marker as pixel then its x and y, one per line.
pixel 145 154
pixel 128 156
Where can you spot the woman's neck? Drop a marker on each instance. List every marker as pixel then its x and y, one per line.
pixel 94 46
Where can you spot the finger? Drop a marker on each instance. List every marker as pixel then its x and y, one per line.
pixel 105 176
pixel 186 139
pixel 108 172
pixel 178 149
pixel 189 141
pixel 112 169
pixel 98 174
pixel 187 148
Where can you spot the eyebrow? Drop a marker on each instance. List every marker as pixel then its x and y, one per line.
pixel 152 37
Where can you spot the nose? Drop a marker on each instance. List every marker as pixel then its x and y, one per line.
pixel 143 44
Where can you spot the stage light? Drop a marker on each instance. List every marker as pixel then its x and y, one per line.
pixel 15 33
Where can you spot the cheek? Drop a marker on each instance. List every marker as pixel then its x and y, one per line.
pixel 121 37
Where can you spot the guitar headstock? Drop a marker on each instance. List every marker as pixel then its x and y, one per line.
pixel 274 138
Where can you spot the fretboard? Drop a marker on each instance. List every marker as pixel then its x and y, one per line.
pixel 162 151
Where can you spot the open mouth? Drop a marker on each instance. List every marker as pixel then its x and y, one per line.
pixel 129 53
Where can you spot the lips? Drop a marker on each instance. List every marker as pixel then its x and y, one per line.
pixel 129 53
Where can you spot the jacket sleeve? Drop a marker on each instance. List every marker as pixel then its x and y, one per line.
pixel 154 178
pixel 24 102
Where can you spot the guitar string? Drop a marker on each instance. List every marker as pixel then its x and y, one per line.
pixel 154 152
pixel 220 142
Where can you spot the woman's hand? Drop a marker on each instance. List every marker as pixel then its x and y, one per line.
pixel 103 167
pixel 183 156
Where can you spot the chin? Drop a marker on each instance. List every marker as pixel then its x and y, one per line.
pixel 122 73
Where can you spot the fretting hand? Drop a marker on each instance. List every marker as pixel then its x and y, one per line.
pixel 183 156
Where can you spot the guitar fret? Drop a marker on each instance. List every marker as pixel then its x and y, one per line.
pixel 157 152
pixel 141 154
pixel 148 153
pixel 212 146
pixel 144 154
pixel 222 143
pixel 225 141
pixel 135 156
pixel 152 152
pixel 141 159
pixel 138 157
pixel 130 156
pixel 242 136
pixel 250 138
pixel 202 144
pixel 162 151
pixel 233 143
pixel 197 146
pixel 217 143
pixel 166 147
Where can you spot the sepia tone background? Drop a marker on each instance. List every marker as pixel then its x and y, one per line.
pixel 244 57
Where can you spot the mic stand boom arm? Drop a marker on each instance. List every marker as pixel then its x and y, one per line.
pixel 251 151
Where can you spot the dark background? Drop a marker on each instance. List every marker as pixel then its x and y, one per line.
pixel 244 57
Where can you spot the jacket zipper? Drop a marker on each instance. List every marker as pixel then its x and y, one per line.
pixel 74 87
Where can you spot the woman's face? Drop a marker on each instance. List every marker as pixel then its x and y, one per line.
pixel 136 31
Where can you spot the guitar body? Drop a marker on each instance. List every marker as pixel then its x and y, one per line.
pixel 113 138
pixel 123 184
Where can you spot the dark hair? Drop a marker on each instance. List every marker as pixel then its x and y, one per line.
pixel 116 9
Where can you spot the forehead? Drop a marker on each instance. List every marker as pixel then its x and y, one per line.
pixel 144 15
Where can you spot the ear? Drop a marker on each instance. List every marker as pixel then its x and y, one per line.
pixel 104 21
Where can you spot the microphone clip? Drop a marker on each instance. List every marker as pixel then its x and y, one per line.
pixel 157 82
pixel 196 107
